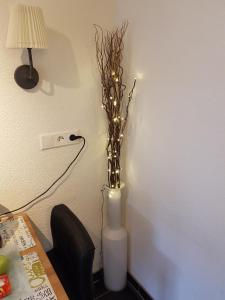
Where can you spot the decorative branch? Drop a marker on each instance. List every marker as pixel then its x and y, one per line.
pixel 109 54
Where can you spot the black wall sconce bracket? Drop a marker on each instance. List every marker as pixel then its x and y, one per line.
pixel 26 76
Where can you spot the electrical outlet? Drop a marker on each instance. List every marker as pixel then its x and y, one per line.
pixel 57 139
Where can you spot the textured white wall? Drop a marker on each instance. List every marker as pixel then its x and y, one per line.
pixel 67 98
pixel 176 147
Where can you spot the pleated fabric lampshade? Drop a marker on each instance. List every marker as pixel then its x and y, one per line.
pixel 26 28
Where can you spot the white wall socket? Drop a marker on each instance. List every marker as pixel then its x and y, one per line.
pixel 57 139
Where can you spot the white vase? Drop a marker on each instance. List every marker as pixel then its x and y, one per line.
pixel 114 244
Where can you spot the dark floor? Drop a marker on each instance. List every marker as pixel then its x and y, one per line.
pixel 102 294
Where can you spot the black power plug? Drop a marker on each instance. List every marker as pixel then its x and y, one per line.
pixel 74 137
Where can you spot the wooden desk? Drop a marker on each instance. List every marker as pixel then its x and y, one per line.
pixel 56 284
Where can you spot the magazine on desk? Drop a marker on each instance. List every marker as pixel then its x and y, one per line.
pixel 18 231
pixel 38 280
pixel 26 273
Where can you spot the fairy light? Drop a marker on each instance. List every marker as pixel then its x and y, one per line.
pixel 112 98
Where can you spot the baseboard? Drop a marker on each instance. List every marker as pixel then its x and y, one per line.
pixel 137 288
pixel 131 282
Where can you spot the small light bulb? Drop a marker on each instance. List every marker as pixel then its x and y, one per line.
pixel 108 170
pixel 121 135
pixel 122 119
pixel 115 119
pixel 113 73
pixel 117 79
pixel 114 103
pixel 117 171
pixel 110 97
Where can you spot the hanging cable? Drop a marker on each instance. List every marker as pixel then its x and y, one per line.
pixel 45 192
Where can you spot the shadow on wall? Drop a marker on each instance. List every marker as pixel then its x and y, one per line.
pixel 44 241
pixel 145 258
pixel 4 209
pixel 56 65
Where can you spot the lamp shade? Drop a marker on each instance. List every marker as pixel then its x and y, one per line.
pixel 26 28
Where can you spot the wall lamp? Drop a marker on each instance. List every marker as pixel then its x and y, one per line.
pixel 26 31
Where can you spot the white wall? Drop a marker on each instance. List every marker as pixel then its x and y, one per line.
pixel 176 147
pixel 66 98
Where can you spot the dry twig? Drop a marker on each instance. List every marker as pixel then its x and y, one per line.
pixel 109 53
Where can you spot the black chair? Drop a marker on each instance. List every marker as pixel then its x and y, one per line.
pixel 72 254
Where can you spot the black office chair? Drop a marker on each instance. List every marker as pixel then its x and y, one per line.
pixel 72 254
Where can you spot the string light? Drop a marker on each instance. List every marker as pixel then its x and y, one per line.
pixel 112 98
pixel 103 106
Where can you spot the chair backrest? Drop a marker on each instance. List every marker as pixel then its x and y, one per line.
pixel 74 246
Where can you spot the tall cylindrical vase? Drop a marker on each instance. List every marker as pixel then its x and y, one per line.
pixel 114 244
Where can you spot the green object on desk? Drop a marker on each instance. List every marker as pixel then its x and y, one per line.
pixel 4 264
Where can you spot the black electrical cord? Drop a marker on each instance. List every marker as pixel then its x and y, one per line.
pixel 42 194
